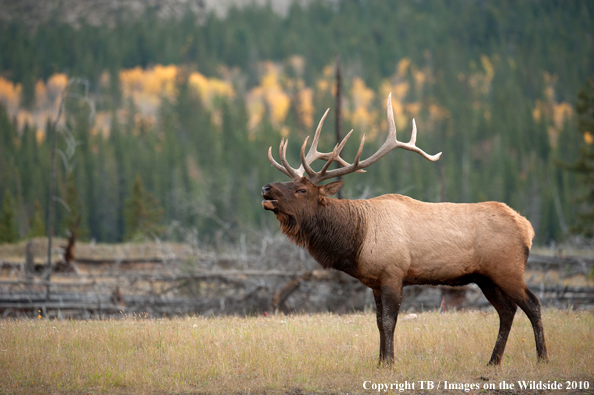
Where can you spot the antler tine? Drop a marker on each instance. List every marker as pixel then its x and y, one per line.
pixel 390 144
pixel 393 143
pixel 391 123
pixel 350 168
pixel 295 174
pixel 413 135
pixel 275 164
pixel 327 164
pixel 314 143
pixel 410 146
pixel 359 151
pixel 313 154
pixel 343 142
pixel 336 152
pixel 285 167
pixel 337 158
pixel 304 162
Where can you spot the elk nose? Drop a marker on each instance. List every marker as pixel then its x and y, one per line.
pixel 265 189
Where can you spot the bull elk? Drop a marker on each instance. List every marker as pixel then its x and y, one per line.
pixel 392 241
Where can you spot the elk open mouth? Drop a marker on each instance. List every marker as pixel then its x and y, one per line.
pixel 268 203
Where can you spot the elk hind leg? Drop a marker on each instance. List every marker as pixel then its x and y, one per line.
pixel 531 306
pixel 529 303
pixel 506 310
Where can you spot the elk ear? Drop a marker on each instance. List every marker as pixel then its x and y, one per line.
pixel 330 189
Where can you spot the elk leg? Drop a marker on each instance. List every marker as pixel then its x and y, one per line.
pixel 377 295
pixel 506 310
pixel 528 302
pixel 391 295
pixel 531 306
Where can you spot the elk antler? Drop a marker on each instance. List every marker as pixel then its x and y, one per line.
pixel 358 165
pixel 312 155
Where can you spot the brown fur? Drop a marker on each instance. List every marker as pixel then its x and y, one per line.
pixel 392 241
pixel 323 234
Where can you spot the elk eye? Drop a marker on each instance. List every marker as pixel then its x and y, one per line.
pixel 302 190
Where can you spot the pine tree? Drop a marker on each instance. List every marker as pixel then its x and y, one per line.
pixel 142 213
pixel 8 229
pixel 584 166
pixel 36 222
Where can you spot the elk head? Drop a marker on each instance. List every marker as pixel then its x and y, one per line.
pixel 304 195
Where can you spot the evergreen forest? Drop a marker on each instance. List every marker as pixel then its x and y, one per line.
pixel 166 123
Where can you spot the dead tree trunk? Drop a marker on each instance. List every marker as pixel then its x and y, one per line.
pixel 67 264
pixel 337 114
pixel 29 261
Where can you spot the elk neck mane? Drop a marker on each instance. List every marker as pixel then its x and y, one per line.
pixel 333 234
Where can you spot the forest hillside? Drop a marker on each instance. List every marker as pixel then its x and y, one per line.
pixel 167 126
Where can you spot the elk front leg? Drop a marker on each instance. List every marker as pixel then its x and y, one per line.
pixel 377 295
pixel 391 296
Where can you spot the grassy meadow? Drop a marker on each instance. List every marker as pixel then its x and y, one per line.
pixel 282 354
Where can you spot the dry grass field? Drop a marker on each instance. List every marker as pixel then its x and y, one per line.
pixel 284 354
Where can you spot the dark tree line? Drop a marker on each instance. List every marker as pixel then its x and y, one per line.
pixel 193 172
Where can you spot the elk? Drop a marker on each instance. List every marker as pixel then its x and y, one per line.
pixel 393 241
